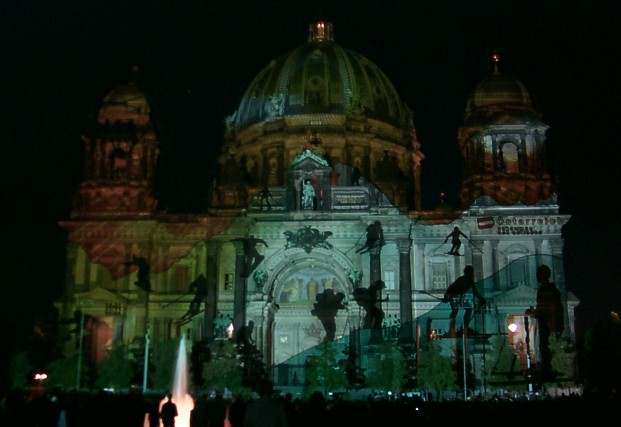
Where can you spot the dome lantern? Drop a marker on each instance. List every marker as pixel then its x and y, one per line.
pixel 320 31
pixel 494 60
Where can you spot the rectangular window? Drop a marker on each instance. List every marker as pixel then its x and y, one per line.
pixel 518 271
pixel 93 275
pixel 228 282
pixel 389 280
pixel 439 275
pixel 181 279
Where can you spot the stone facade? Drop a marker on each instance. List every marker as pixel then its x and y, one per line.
pixel 361 170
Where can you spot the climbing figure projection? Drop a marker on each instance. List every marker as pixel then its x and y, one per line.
pixel 454 235
pixel 199 288
pixel 253 257
pixel 375 238
pixel 326 306
pixel 265 196
pixel 456 296
pixel 144 272
pixel 370 299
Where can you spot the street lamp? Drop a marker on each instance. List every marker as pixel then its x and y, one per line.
pixel 528 362
pixel 513 328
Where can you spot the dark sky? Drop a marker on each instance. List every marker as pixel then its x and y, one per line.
pixel 197 58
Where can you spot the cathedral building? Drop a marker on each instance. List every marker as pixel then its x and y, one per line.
pixel 318 187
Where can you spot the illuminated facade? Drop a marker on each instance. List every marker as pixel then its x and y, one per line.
pixel 320 147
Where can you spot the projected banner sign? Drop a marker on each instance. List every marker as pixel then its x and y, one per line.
pixel 516 225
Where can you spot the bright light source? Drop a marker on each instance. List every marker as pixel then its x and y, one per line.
pixel 40 376
pixel 230 330
pixel 513 327
pixel 390 393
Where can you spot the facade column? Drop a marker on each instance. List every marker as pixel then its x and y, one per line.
pixel 494 262
pixel 405 290
pixel 487 260
pixel 375 265
pixel 544 251
pixel 211 307
pixel 239 293
pixel 419 267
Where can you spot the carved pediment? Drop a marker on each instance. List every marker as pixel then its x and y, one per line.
pixel 308 160
pixel 101 295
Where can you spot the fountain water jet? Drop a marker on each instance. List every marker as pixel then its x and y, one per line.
pixel 180 396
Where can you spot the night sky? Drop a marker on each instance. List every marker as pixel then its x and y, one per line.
pixel 196 61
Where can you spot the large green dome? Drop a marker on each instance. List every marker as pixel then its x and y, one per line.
pixel 321 77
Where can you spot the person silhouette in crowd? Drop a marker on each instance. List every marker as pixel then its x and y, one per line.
pixel 265 411
pixel 455 295
pixel 455 242
pixel 168 413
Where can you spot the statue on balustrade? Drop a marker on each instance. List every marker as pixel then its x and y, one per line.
pixel 308 195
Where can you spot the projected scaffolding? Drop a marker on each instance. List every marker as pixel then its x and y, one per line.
pixel 503 330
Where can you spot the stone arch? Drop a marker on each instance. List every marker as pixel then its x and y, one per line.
pixel 282 266
pixel 288 261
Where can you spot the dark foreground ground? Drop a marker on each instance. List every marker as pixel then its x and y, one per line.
pixel 101 409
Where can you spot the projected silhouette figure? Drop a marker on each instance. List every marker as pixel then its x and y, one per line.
pixel 253 257
pixel 243 337
pixel 454 235
pixel 549 315
pixel 325 308
pixel 199 288
pixel 370 300
pixel 455 296
pixel 375 237
pixel 144 272
pixel 264 197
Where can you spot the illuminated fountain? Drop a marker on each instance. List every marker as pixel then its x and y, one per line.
pixel 180 396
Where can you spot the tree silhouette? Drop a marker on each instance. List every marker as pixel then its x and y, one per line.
pixel 164 358
pixel 435 371
pixel 562 360
pixel 389 372
pixel 323 372
pixel 116 370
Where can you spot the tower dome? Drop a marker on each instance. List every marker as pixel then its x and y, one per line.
pixel 321 77
pixel 125 103
pixel 499 97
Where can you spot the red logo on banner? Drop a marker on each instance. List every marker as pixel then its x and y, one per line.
pixel 485 222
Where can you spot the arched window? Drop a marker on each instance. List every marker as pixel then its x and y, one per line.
pixel 510 158
pixel 517 272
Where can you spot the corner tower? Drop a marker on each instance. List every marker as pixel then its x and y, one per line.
pixel 503 143
pixel 120 154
